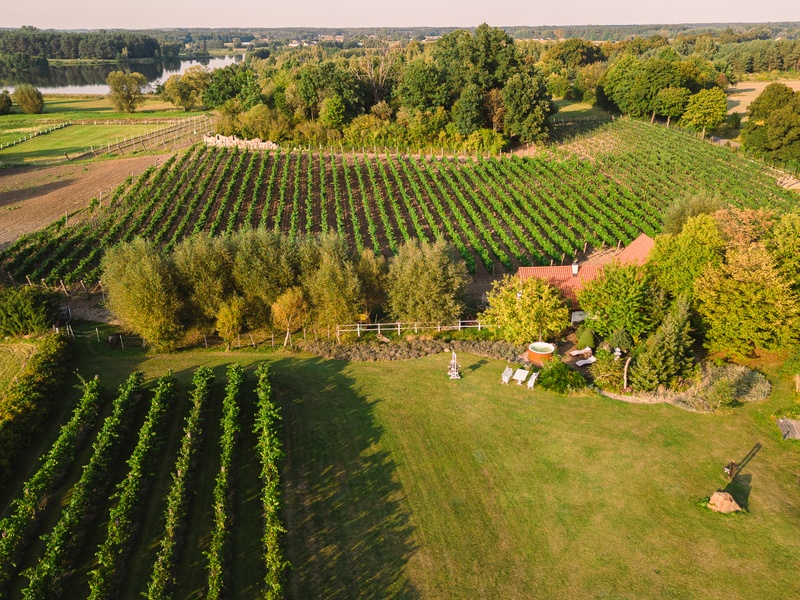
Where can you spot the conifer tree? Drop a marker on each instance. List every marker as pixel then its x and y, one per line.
pixel 668 352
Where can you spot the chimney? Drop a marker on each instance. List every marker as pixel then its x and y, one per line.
pixel 575 269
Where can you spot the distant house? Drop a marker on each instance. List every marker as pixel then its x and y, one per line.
pixel 571 279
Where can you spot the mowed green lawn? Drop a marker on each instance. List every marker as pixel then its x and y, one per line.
pixel 72 140
pixel 60 109
pixel 400 483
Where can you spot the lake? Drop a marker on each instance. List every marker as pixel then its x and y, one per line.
pixel 91 79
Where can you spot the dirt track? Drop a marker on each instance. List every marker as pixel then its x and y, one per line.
pixel 31 198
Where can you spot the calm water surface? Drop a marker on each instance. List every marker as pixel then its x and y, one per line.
pixel 91 79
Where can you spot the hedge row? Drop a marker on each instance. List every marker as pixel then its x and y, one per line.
pixel 28 402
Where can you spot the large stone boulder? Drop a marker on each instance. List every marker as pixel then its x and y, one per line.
pixel 723 502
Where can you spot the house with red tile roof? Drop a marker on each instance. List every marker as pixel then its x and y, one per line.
pixel 571 279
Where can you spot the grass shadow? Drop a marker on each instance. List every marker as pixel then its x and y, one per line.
pixel 349 531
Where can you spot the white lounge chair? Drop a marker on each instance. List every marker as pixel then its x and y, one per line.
pixel 587 361
pixel 586 350
pixel 532 380
pixel 507 375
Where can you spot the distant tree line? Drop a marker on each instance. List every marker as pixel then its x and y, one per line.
pixel 66 45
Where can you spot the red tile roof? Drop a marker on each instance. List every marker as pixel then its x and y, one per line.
pixel 563 279
pixel 637 251
pixel 569 284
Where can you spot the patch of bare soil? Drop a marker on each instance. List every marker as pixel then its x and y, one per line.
pixel 743 93
pixel 33 197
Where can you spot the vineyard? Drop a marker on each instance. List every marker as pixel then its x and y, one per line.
pixel 601 190
pixel 139 498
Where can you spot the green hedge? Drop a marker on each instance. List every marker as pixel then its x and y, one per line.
pixel 29 401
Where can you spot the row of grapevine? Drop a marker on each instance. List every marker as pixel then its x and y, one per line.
pixel 61 544
pixel 165 566
pixel 270 453
pixel 123 519
pixel 16 529
pixel 219 550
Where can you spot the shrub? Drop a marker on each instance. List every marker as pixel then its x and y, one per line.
pixel 5 103
pixel 585 338
pixel 28 402
pixel 725 386
pixel 558 377
pixel 27 310
pixel 29 99
pixel 620 339
pixel 606 371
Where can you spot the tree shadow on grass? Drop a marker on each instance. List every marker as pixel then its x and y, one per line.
pixel 349 532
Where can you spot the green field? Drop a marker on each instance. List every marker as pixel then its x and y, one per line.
pixel 399 483
pixel 72 140
pixel 59 109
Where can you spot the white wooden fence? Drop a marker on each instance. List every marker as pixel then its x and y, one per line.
pixel 398 328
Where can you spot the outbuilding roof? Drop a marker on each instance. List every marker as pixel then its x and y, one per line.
pixel 562 278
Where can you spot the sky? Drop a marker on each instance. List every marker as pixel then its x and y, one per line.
pixel 151 14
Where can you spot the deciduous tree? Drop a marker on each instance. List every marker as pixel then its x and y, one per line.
pixel 426 283
pixel 707 109
pixel 527 106
pixel 747 303
pixel 28 98
pixel 186 91
pixel 289 312
pixel 126 90
pixel 677 260
pixel 5 103
pixel 623 297
pixel 141 290
pixel 526 311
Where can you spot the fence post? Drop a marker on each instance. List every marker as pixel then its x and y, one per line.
pixel 398 329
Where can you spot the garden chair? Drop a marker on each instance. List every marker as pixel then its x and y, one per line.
pixel 532 380
pixel 507 375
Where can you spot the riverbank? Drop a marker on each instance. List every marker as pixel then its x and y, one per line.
pixel 81 62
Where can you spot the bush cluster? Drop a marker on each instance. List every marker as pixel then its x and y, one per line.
pixel 27 310
pixel 368 351
pixel 558 377
pixel 723 387
pixel 29 401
